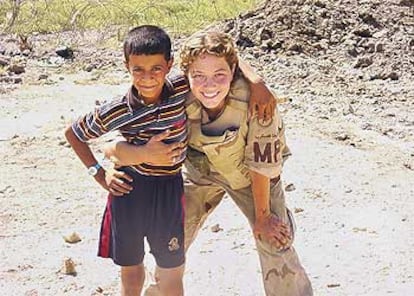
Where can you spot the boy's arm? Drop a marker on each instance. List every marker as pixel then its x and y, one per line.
pixel 262 99
pixel 111 182
pixel 267 226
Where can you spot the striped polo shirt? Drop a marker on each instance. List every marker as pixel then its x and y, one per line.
pixel 138 122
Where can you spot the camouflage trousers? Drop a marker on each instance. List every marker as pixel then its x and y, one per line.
pixel 282 272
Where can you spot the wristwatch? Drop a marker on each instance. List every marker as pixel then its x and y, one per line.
pixel 93 170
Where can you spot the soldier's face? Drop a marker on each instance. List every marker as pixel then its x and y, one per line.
pixel 210 77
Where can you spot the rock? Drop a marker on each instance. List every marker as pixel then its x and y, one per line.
pixel 216 228
pixel 363 32
pixel 64 52
pixel 322 45
pixel 296 47
pixel 320 4
pixel 290 187
pixel 378 76
pixel 369 19
pixel 73 238
pixel 265 34
pixel 298 210
pixel 244 42
pixel 68 267
pixel 26 52
pixel 371 47
pixel 379 47
pixel 333 285
pixel 6 189
pixel 90 67
pixel 12 52
pixel 363 62
pixel 11 79
pixel 17 68
pixel 366 126
pixel 342 137
pixel 393 76
pixel 43 77
pixel 353 52
pixel 409 3
pixel 4 61
pixel 409 165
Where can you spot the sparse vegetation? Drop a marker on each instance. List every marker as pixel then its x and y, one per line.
pixel 178 16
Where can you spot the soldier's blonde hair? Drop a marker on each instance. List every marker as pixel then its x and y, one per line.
pixel 215 43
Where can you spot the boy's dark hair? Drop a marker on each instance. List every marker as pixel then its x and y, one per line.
pixel 147 39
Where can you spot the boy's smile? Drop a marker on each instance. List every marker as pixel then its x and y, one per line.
pixel 148 74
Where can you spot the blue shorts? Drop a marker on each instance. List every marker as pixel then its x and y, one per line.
pixel 153 209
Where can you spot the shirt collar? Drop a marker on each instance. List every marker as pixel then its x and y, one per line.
pixel 134 101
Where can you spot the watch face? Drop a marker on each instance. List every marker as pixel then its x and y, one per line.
pixel 92 171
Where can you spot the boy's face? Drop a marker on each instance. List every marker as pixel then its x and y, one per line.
pixel 210 77
pixel 148 74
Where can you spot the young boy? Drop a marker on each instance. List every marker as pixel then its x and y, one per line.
pixel 151 205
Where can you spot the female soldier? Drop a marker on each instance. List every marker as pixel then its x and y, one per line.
pixel 231 152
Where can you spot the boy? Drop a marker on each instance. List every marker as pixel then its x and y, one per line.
pixel 151 205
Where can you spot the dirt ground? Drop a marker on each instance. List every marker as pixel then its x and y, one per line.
pixel 347 66
pixel 352 199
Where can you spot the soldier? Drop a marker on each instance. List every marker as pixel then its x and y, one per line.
pixel 234 153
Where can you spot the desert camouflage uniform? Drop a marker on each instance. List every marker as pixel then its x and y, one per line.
pixel 219 162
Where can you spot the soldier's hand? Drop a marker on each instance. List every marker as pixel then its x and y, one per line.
pixel 272 230
pixel 160 153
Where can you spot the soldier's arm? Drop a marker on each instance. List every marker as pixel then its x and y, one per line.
pixel 263 157
pixel 267 226
pixel 154 152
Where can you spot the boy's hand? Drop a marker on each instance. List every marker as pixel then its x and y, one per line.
pixel 114 181
pixel 272 230
pixel 261 101
pixel 159 153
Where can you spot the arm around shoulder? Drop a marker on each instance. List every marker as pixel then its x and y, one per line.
pixel 262 100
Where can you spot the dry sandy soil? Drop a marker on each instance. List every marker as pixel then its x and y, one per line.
pixel 348 67
pixel 354 209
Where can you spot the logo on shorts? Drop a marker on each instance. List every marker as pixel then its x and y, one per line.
pixel 173 245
